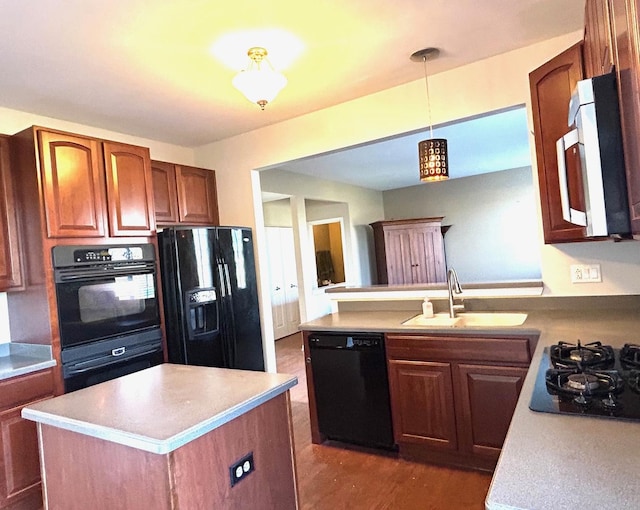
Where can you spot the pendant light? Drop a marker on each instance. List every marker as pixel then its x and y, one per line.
pixel 432 153
pixel 259 82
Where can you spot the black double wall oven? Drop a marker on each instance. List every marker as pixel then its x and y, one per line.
pixel 108 311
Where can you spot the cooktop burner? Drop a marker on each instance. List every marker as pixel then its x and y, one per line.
pixel 590 380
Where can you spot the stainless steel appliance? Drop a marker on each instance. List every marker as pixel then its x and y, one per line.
pixel 108 311
pixel 589 380
pixel 351 388
pixel 211 297
pixel 594 150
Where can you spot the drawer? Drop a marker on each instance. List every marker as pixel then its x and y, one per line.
pixel 26 388
pixel 508 349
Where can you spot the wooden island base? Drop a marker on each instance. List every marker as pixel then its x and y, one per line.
pixel 170 438
pixel 83 472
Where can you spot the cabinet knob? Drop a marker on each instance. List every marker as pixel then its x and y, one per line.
pixel 277 288
pixel 308 360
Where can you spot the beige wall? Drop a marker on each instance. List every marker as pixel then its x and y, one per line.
pixel 493 234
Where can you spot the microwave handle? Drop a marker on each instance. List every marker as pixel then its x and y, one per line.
pixel 569 214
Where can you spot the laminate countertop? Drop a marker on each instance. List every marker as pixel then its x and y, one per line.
pixel 19 359
pixel 161 408
pixel 547 460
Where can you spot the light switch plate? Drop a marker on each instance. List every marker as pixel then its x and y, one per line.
pixel 585 273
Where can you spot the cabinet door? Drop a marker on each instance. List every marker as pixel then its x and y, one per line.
pixel 551 87
pixel 422 403
pixel 597 38
pixel 129 189
pixel 427 255
pixel 197 196
pixel 165 195
pixel 398 251
pixel 10 268
pixel 487 397
pixel 626 55
pixel 73 185
pixel 20 473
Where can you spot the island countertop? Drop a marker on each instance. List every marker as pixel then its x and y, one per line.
pixel 547 460
pixel 161 408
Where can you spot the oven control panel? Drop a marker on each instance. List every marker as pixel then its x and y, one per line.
pixel 79 256
pixel 108 254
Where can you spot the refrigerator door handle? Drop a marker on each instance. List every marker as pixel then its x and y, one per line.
pixel 226 277
pixel 223 289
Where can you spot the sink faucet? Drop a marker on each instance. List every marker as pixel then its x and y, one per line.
pixel 454 286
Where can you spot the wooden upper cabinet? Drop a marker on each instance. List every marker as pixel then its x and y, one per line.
pixel 184 194
pixel 129 189
pixel 10 265
pixel 165 195
pixel 551 87
pixel 73 184
pixel 598 57
pixel 197 195
pixel 409 251
pixel 95 188
pixel 625 36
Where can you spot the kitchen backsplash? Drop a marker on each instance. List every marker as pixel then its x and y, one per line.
pixel 5 335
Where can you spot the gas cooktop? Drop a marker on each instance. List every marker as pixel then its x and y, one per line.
pixel 589 380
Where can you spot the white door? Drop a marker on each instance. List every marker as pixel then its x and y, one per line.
pixel 284 281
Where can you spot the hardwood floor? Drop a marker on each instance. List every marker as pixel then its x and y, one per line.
pixel 332 477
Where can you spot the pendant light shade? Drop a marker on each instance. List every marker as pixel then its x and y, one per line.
pixel 433 159
pixel 432 153
pixel 260 82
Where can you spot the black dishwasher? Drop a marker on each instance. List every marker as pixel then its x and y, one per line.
pixel 351 388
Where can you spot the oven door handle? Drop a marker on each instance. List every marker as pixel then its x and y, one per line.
pixel 91 275
pixel 91 365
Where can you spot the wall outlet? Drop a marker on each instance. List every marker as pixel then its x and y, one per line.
pixel 241 469
pixel 585 273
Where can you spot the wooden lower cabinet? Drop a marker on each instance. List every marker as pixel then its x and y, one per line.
pixel 19 462
pixel 422 385
pixel 452 397
pixel 487 397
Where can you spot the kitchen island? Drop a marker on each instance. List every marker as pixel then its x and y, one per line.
pixel 168 437
pixel 547 460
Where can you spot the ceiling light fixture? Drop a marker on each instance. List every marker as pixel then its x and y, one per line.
pixel 432 153
pixel 259 82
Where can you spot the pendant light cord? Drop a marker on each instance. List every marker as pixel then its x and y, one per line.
pixel 426 80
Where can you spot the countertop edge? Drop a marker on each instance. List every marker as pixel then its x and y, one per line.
pixel 148 444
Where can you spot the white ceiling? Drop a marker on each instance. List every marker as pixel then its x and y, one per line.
pixel 148 68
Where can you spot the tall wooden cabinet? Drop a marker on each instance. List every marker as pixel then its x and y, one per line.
pixel 452 397
pixel 19 464
pixel 410 251
pixel 551 87
pixel 625 42
pixel 93 188
pixel 10 264
pixel 184 194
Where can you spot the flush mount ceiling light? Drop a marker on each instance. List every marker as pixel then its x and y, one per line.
pixel 432 153
pixel 259 82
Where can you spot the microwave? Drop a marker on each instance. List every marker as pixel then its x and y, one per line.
pixel 593 148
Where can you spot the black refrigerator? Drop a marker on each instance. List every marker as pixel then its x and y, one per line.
pixel 211 297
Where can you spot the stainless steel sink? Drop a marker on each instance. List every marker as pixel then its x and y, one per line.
pixel 468 320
